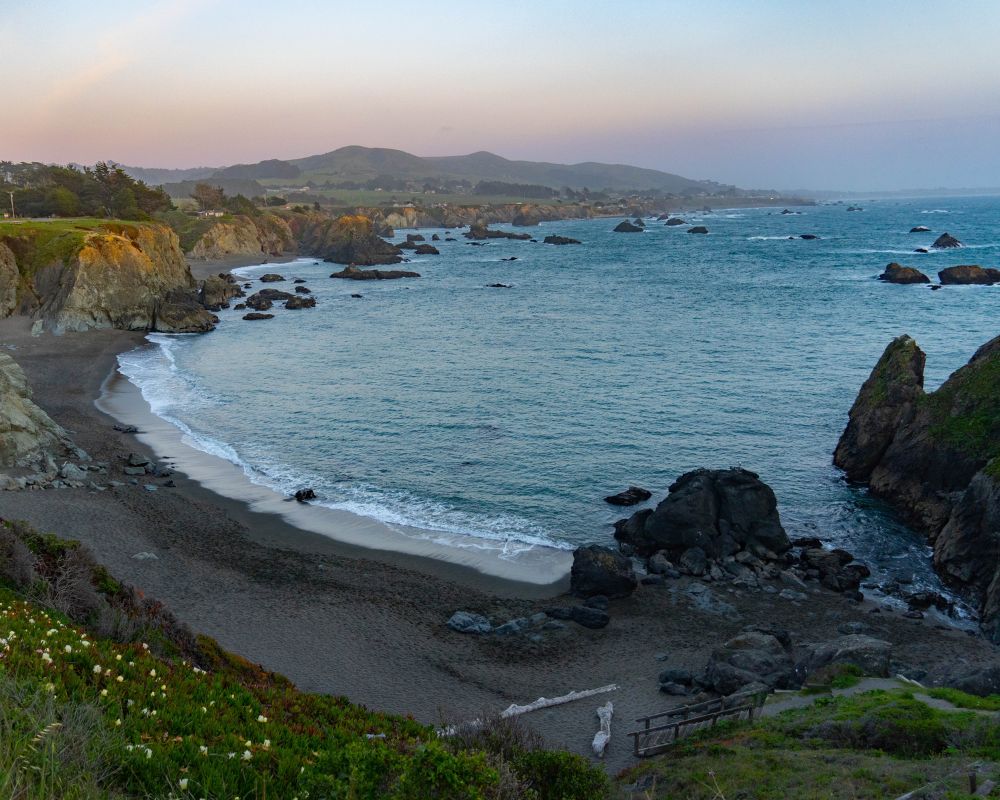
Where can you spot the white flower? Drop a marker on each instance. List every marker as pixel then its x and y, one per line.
pixel 183 783
pixel 145 646
pixel 51 632
pixel 247 755
pixel 84 643
pixel 118 722
pixel 267 744
pixel 97 669
pixel 204 710
pixel 46 658
pixel 149 753
pixel 231 755
pixel 261 718
pixel 152 673
pixel 120 679
pixel 50 687
pixel 118 657
pixel 68 649
pixel 203 750
pixel 104 692
pixel 248 743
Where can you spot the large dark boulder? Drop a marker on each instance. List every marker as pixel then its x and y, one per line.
pixel 897 273
pixel 627 227
pixel 559 240
pixel 969 275
pixel 426 250
pixel 946 241
pixel 719 511
pixel 180 312
pixel 896 383
pixel 673 222
pixel 756 656
pixel 479 231
pixel 981 682
pixel 698 229
pixel 217 290
pixel 600 570
pixel 271 277
pixel 872 656
pixel 299 301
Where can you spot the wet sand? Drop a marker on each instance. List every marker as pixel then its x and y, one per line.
pixel 369 624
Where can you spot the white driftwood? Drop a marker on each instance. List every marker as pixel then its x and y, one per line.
pixel 545 702
pixel 603 736
pixel 516 710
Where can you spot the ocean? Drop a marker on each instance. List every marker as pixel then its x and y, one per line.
pixel 501 417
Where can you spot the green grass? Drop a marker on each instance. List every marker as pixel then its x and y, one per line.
pixel 167 714
pixel 189 229
pixel 872 745
pixel 966 409
pixel 964 700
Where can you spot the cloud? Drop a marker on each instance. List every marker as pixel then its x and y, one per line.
pixel 118 47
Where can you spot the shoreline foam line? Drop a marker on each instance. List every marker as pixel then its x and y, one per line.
pixel 122 399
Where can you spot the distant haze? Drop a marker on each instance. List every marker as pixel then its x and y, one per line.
pixel 852 95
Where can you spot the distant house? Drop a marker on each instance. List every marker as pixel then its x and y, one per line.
pixel 211 213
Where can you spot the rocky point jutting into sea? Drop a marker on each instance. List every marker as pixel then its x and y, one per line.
pixel 935 457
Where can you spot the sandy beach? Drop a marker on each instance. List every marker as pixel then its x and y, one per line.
pixel 370 624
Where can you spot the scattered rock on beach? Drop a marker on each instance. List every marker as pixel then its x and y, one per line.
pixel 467 622
pixel 600 570
pixel 755 656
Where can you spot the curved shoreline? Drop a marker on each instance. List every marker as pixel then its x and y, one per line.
pixel 535 572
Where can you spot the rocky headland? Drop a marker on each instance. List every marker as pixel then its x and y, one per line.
pixel 935 457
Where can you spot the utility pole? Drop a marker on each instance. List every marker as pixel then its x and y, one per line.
pixel 12 214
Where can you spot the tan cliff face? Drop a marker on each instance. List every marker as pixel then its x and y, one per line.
pixel 28 436
pixel 115 275
pixel 8 281
pixel 245 236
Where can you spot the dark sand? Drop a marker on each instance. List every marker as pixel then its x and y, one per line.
pixel 371 625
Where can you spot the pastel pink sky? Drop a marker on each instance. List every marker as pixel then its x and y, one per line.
pixel 770 94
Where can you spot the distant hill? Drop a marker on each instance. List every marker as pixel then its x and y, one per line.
pixel 362 164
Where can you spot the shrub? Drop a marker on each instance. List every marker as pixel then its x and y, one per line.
pixel 557 775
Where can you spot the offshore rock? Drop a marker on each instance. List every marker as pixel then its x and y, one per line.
pixel 946 241
pixel 897 273
pixel 969 274
pixel 559 240
pixel 630 497
pixel 627 227
pixel 353 273
pixel 698 229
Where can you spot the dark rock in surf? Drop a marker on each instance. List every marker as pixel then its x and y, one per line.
pixel 920 229
pixel 673 222
pixel 304 495
pixel 303 290
pixel 698 229
pixel 630 497
pixel 300 301
pixel 256 315
pixel 627 227
pixel 945 241
pixel 271 277
pixel 897 273
pixel 560 240
pixel 969 275
pixel 426 250
pixel 352 273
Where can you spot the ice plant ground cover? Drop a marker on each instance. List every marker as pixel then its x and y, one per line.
pixel 83 716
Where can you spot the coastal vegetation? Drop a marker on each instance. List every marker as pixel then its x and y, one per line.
pixel 104 694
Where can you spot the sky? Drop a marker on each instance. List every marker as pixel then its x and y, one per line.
pixel 767 94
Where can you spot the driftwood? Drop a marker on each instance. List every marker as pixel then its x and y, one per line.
pixel 515 710
pixel 603 736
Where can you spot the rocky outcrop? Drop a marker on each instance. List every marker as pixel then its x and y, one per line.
pixel 946 241
pixel 627 227
pixel 350 239
pixel 969 275
pixel 240 235
pixel 897 273
pixel 600 571
pixel 936 458
pixel 719 512
pixel 179 311
pixel 886 398
pixel 759 656
pixel 217 290
pixel 560 240
pixel 9 278
pixel 351 272
pixel 479 231
pixel 28 436
pixel 630 497
pixel 698 229
pixel 117 275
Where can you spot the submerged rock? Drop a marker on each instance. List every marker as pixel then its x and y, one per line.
pixel 254 315
pixel 300 301
pixel 560 240
pixel 698 229
pixel 920 229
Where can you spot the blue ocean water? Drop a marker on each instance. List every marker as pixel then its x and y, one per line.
pixel 508 414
